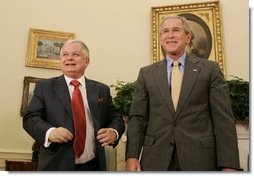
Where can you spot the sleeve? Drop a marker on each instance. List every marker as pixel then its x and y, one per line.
pixel 138 118
pixel 33 120
pixel 223 120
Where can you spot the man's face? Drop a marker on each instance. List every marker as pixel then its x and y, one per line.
pixel 173 38
pixel 73 60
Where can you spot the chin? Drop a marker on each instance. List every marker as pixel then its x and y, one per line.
pixel 172 52
pixel 69 73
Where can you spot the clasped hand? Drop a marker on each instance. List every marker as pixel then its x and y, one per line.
pixel 105 136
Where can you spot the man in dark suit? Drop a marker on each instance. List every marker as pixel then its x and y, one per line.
pixel 196 134
pixel 49 118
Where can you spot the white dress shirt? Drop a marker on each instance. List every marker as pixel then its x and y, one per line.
pixel 89 150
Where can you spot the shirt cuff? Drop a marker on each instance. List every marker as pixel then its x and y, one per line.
pixel 117 135
pixel 47 142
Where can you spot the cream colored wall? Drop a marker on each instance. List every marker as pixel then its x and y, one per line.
pixel 118 34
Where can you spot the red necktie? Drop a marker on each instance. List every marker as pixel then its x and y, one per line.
pixel 79 118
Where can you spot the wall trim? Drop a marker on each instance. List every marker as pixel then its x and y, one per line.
pixel 13 155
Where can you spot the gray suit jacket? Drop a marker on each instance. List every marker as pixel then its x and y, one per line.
pixel 202 128
pixel 51 107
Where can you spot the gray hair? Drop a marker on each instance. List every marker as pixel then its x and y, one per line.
pixel 84 47
pixel 186 23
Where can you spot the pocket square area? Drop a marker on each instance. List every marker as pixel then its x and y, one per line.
pixel 100 100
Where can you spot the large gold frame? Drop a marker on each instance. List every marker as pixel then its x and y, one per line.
pixel 204 15
pixel 44 48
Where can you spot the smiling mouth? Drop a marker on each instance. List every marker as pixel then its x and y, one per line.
pixel 169 42
pixel 70 64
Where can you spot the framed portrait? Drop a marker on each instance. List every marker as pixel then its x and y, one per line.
pixel 205 22
pixel 28 87
pixel 44 47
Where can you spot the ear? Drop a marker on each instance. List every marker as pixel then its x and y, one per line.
pixel 87 61
pixel 188 38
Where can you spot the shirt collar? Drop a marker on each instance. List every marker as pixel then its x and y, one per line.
pixel 81 80
pixel 181 60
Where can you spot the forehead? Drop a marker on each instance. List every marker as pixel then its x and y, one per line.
pixel 72 47
pixel 172 22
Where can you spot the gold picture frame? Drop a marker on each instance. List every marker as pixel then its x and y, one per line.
pixel 205 21
pixel 44 48
pixel 28 87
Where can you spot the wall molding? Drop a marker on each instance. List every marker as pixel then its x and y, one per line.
pixel 13 155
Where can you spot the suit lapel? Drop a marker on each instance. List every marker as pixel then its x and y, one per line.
pixel 162 80
pixel 92 94
pixel 191 72
pixel 63 94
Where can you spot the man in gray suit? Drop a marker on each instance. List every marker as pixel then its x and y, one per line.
pixel 50 116
pixel 199 133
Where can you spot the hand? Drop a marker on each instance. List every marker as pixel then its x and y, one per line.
pixel 132 164
pixel 60 135
pixel 106 136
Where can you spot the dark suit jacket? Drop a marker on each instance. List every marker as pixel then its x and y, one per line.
pixel 51 107
pixel 202 128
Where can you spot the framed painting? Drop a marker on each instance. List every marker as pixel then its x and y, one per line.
pixel 205 24
pixel 28 87
pixel 44 47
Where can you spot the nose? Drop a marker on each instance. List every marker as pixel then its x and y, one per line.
pixel 69 57
pixel 171 34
